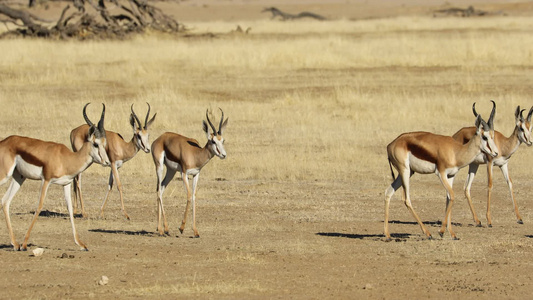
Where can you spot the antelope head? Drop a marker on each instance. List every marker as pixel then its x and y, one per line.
pixel 215 139
pixel 141 134
pixel 485 130
pixel 97 138
pixel 524 125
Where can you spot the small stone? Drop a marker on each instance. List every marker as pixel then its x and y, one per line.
pixel 38 252
pixel 368 286
pixel 103 281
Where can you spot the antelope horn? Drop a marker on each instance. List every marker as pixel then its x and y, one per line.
pixel 135 117
pixel 492 113
pixel 521 114
pixel 147 115
pixel 209 121
pixel 85 115
pixel 474 109
pixel 221 120
pixel 101 122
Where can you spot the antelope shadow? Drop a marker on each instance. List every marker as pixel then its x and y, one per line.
pixel 363 236
pixel 125 232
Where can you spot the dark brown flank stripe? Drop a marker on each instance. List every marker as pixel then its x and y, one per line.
pixel 422 153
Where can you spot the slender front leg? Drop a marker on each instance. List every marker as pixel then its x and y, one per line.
pixel 13 188
pixel 44 188
pixel 77 240
pixel 472 170
pixel 109 188
pixel 77 194
pixel 114 169
pixel 489 191
pixel 507 177
pixel 185 179
pixel 194 185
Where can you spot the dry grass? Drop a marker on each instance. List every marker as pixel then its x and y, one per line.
pixel 319 96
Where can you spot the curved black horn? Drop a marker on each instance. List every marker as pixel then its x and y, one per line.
pixel 101 122
pixel 147 115
pixel 474 109
pixel 209 121
pixel 135 117
pixel 85 115
pixel 221 120
pixel 492 113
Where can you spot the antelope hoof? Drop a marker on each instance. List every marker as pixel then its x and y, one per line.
pixel 430 237
pixel 479 225
pixel 389 239
pixel 181 230
pixel 455 238
pixel 441 234
pixel 84 249
pixel 520 221
pixel 196 236
pixel 490 225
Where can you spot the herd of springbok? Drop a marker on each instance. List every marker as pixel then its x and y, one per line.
pixel 426 153
pixel 24 158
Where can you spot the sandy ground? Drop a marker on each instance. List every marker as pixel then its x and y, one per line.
pixel 275 239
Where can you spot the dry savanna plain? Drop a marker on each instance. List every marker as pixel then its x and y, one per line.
pixel 296 209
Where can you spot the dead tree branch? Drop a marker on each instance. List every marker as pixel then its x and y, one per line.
pixel 91 20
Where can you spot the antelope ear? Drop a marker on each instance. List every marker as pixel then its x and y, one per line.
pixel 223 127
pixel 90 136
pixel 207 130
pixel 133 123
pixel 479 124
pixel 147 125
pixel 517 114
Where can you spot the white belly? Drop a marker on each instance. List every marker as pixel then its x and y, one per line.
pixel 193 172
pixel 28 170
pixel 63 180
pixel 420 166
pixel 172 165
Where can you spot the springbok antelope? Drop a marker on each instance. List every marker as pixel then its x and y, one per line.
pixel 179 153
pixel 507 146
pixel 118 151
pixel 426 153
pixel 26 158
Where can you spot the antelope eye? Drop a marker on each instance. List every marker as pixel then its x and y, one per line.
pixel 484 138
pixel 95 145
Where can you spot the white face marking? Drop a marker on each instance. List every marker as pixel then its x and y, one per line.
pixel 487 144
pixel 524 134
pixel 217 146
pixel 142 138
pixel 98 153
